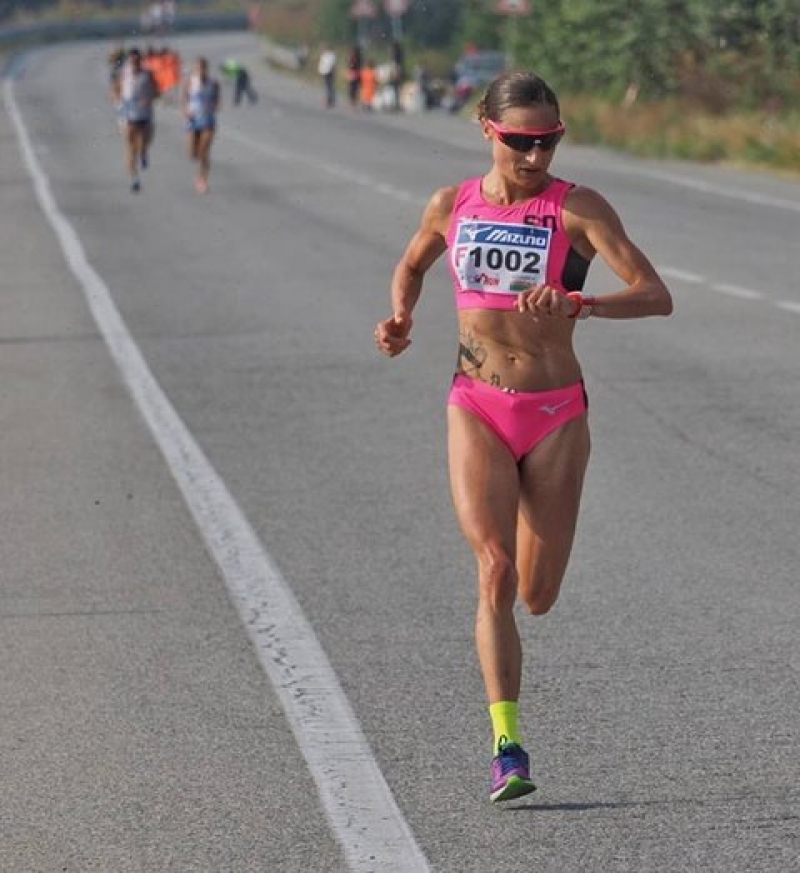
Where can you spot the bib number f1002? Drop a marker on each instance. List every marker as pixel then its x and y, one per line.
pixel 497 258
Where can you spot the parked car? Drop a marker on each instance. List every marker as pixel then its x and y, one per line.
pixel 472 71
pixel 480 67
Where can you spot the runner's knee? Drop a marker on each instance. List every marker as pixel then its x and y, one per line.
pixel 497 577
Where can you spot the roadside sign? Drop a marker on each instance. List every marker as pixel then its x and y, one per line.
pixel 395 8
pixel 513 7
pixel 363 9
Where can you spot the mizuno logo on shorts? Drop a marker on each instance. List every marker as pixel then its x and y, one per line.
pixel 552 409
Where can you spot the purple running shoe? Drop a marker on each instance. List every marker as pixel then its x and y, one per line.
pixel 510 772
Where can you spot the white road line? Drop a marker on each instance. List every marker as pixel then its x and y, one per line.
pixel 681 275
pixel 737 291
pixel 337 170
pixel 708 188
pixel 357 800
pixel 725 288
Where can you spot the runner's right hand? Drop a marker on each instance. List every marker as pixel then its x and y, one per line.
pixel 392 335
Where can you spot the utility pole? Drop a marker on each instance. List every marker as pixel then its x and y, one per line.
pixel 512 9
pixel 396 9
pixel 363 11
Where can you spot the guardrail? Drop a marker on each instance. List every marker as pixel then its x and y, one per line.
pixel 121 28
pixel 289 57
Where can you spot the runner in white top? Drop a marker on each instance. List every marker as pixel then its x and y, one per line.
pixel 200 106
pixel 134 92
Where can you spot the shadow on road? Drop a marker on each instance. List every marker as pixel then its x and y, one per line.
pixel 577 807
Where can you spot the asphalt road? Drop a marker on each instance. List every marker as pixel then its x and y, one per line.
pixel 235 610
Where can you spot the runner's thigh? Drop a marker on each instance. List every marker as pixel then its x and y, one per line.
pixel 484 482
pixel 550 494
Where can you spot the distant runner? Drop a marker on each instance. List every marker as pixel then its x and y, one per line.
pixel 200 106
pixel 134 92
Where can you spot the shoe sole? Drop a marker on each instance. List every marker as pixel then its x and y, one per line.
pixel 515 787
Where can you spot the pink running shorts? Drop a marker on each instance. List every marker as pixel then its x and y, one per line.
pixel 521 419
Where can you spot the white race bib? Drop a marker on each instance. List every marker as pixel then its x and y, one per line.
pixel 499 258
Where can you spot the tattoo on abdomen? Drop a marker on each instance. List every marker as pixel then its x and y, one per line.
pixel 471 358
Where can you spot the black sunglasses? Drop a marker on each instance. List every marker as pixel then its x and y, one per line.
pixel 526 140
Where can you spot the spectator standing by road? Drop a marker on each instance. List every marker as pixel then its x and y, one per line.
pixel 326 68
pixel 354 66
pixel 369 85
pixel 398 72
pixel 423 82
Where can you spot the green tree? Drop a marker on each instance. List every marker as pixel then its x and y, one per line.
pixel 432 23
pixel 335 23
pixel 779 22
pixel 480 25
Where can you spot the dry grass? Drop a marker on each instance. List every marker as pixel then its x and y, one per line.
pixel 671 130
pixel 293 22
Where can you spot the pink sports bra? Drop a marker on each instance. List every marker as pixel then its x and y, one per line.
pixel 497 252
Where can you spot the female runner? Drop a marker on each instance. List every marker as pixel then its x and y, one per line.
pixel 520 241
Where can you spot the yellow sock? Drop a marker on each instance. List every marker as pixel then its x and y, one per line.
pixel 504 721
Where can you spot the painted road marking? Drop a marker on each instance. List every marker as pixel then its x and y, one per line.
pixel 718 190
pixel 728 289
pixel 681 275
pixel 360 807
pixel 737 291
